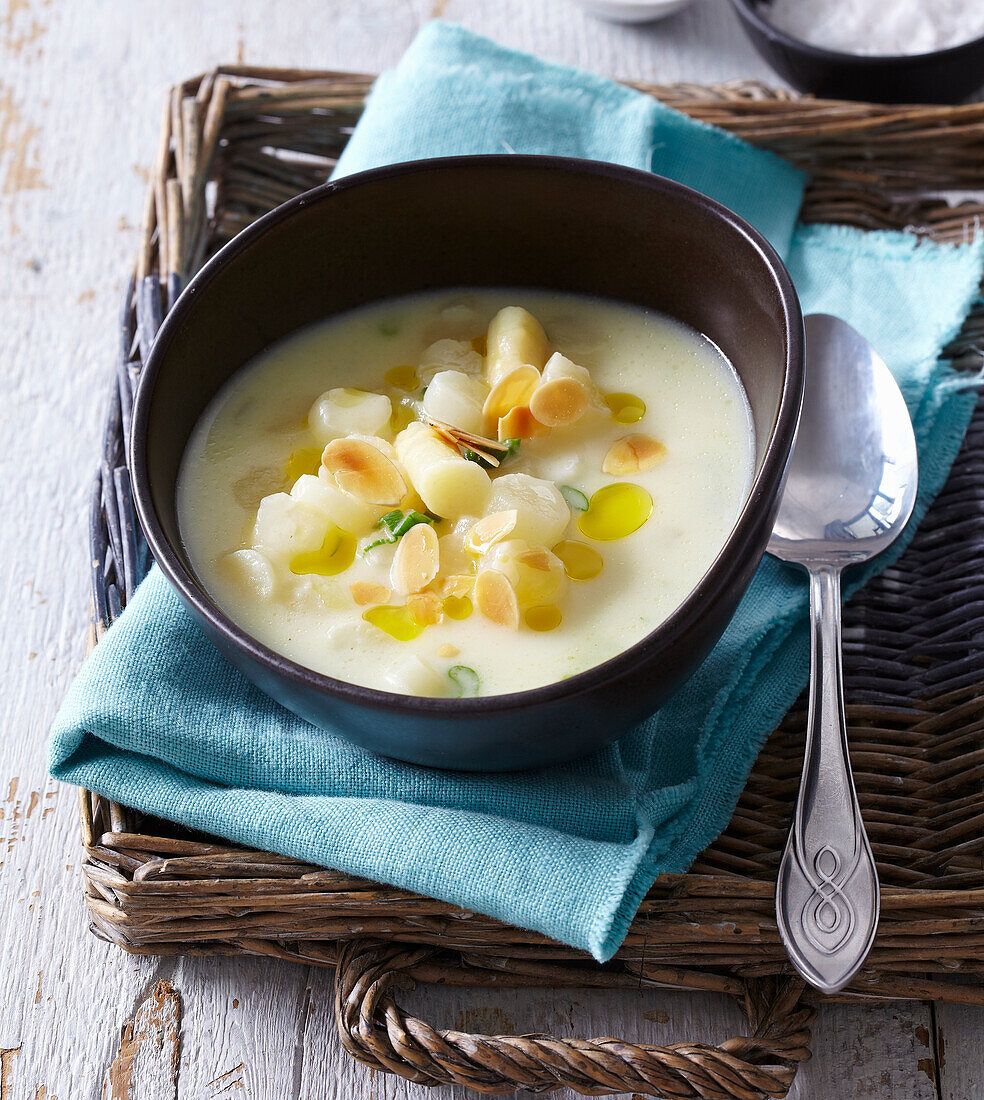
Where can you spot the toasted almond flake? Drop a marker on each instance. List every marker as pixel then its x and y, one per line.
pixel 631 454
pixel 536 558
pixel 416 561
pixel 520 423
pixel 426 608
pixel 459 435
pixel 366 592
pixel 489 449
pixel 515 389
pixel 448 650
pixel 496 599
pixel 444 433
pixel 364 471
pixel 446 437
pixel 458 584
pixel 491 530
pixel 559 402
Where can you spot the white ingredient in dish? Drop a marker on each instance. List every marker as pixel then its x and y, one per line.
pixel 874 27
pixel 253 542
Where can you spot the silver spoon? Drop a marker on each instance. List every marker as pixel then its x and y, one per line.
pixel 850 491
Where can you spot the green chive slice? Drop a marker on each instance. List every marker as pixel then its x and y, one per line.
pixel 465 682
pixel 394 525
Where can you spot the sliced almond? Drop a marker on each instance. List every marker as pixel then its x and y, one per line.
pixel 562 401
pixel 364 471
pixel 520 423
pixel 448 650
pixel 446 434
pixel 489 449
pixel 366 592
pixel 491 530
pixel 426 608
pixel 536 558
pixel 416 561
pixel 515 389
pixel 631 454
pixel 458 584
pixel 496 599
pixel 459 435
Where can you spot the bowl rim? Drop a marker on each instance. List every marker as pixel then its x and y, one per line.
pixel 775 458
pixel 750 11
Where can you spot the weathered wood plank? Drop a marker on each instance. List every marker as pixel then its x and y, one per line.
pixel 958 1046
pixel 146 1063
pixel 871 1051
pixel 243 1025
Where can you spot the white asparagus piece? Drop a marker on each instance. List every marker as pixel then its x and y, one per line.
pixel 515 339
pixel 542 514
pixel 533 571
pixel 343 411
pixel 346 511
pixel 444 355
pixel 412 676
pixel 448 484
pixel 252 570
pixel 559 366
pixel 285 527
pixel 456 399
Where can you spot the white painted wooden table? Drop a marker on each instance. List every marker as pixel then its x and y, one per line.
pixel 80 88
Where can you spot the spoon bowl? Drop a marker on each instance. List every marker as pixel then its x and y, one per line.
pixel 852 477
pixel 850 491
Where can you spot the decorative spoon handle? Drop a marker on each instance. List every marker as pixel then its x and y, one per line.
pixel 827 889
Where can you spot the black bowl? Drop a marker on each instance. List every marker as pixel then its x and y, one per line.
pixel 943 76
pixel 568 225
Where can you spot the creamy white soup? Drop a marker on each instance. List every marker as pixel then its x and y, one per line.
pixel 467 492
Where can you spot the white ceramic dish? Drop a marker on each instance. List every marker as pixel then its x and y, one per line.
pixel 632 11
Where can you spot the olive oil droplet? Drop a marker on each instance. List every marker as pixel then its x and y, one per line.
pixel 615 511
pixel 335 556
pixel 626 407
pixel 402 415
pixel 402 378
pixel 305 461
pixel 581 562
pixel 457 607
pixel 543 617
pixel 395 621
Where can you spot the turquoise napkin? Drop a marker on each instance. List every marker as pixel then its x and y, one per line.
pixel 159 721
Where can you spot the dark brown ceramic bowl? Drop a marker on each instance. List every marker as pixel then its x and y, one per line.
pixel 513 221
pixel 941 76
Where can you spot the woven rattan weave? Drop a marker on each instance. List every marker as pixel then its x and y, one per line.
pixel 237 142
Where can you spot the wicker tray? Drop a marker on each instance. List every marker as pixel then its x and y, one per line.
pixel 236 142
